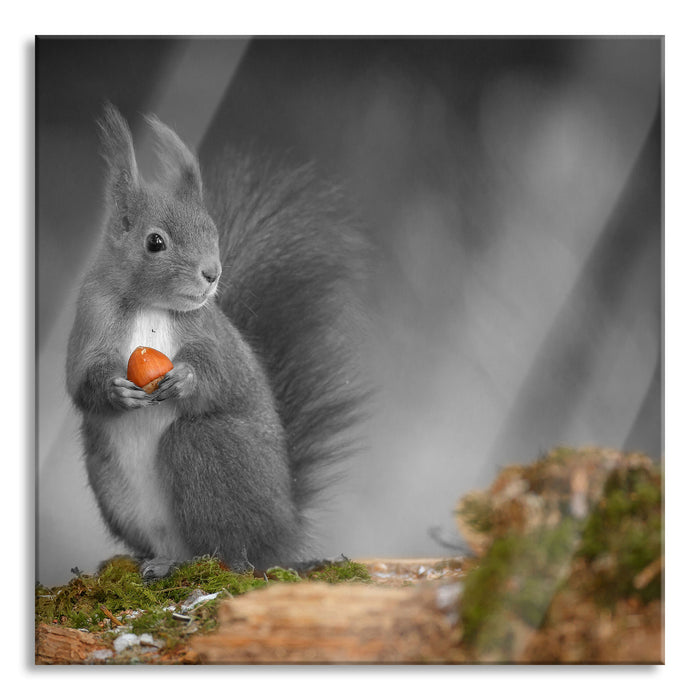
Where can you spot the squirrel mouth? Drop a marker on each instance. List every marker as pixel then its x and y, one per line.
pixel 198 300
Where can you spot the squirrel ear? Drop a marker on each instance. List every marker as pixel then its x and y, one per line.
pixel 118 151
pixel 179 164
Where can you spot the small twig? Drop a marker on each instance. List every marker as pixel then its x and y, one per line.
pixel 435 534
pixel 111 617
pixel 645 576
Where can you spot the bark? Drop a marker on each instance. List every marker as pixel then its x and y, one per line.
pixel 317 623
pixel 62 645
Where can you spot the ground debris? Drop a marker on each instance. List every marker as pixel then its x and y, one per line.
pixel 405 571
pixel 122 619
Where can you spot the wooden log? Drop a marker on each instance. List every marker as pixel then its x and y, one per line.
pixel 352 623
pixel 62 645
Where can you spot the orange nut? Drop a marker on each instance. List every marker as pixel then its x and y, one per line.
pixel 147 367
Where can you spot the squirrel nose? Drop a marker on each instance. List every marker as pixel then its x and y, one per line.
pixel 211 274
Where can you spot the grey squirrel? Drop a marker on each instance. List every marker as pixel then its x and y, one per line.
pixel 245 280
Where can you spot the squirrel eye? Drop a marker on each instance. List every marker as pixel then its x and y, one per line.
pixel 155 243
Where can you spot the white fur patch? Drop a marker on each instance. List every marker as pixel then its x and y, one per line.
pixel 134 438
pixel 154 329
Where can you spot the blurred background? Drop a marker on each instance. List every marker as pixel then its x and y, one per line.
pixel 513 189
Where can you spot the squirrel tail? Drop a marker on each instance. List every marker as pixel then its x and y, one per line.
pixel 293 266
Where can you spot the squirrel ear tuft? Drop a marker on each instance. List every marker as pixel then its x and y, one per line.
pixel 179 164
pixel 118 151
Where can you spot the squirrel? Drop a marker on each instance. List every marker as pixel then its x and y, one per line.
pixel 248 280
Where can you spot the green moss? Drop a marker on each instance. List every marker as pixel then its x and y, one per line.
pixel 562 453
pixel 515 579
pixel 207 574
pixel 89 601
pixel 624 535
pixel 83 600
pixel 600 557
pixel 277 573
pixel 476 511
pixel 344 570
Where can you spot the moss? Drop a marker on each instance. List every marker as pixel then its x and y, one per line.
pixel 117 592
pixel 83 600
pixel 477 512
pixel 515 579
pixel 562 453
pixel 207 574
pixel 623 536
pixel 344 570
pixel 277 573
pixel 599 558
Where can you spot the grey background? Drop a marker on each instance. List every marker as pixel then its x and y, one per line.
pixel 513 189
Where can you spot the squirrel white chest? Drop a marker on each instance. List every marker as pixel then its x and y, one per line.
pixel 154 329
pixel 135 437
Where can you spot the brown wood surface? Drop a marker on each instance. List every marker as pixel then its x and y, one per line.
pixel 351 623
pixel 61 645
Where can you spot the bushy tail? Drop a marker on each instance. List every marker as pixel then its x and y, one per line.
pixel 293 265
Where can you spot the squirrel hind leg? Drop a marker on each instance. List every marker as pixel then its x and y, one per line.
pixel 231 490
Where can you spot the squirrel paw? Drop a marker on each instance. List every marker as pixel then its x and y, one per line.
pixel 154 569
pixel 125 395
pixel 177 384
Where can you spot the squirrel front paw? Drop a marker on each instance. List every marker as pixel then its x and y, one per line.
pixel 125 395
pixel 177 384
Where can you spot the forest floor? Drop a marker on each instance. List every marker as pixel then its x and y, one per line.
pixel 567 568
